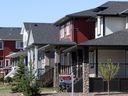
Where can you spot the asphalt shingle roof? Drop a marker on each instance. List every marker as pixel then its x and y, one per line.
pixel 114 8
pixel 10 33
pixel 119 38
pixel 47 33
pixel 85 13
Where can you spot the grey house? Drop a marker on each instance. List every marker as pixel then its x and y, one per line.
pixel 110 43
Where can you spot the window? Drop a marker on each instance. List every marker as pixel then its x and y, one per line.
pixel 1 65
pixel 62 31
pixel 7 62
pixel 19 45
pixel 1 45
pixel 68 28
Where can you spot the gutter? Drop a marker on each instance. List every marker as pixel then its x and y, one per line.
pixel 70 49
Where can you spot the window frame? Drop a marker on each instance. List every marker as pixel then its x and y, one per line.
pixel 68 28
pixel 1 63
pixel 62 31
pixel 19 47
pixel 2 47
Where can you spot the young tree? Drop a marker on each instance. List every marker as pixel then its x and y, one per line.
pixel 18 79
pixel 30 82
pixel 108 71
pixel 25 80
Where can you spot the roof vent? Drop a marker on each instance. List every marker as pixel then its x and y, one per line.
pixel 35 25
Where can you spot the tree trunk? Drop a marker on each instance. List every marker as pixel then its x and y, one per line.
pixel 108 88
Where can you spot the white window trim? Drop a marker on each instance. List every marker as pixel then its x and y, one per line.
pixel 68 27
pixel 17 45
pixel 2 45
pixel 98 26
pixel 62 31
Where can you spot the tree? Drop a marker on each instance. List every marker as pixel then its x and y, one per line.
pixel 18 79
pixel 25 80
pixel 108 71
pixel 31 86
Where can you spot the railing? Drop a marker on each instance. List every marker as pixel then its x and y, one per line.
pixel 47 77
pixel 77 70
pixel 66 70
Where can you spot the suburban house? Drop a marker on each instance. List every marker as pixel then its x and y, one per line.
pixel 110 42
pixel 57 49
pixel 40 40
pixel 10 41
pixel 77 27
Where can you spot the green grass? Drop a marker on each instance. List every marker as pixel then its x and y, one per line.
pixel 5 89
pixel 47 89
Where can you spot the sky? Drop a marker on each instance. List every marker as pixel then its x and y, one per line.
pixel 14 12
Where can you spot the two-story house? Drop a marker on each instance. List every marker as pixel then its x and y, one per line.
pixel 40 41
pixel 77 27
pixel 10 41
pixel 110 43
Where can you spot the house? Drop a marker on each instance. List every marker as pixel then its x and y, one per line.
pixel 77 27
pixel 110 42
pixel 10 41
pixel 40 44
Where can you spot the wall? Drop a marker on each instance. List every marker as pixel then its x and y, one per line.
pixel 112 24
pixel 85 28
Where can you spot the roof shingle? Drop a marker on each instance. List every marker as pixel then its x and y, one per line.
pixel 10 33
pixel 119 38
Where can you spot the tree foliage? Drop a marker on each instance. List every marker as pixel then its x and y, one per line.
pixel 108 71
pixel 18 79
pixel 25 80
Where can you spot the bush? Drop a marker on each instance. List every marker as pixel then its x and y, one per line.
pixel 8 80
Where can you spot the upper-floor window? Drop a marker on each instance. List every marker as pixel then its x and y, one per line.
pixel 68 28
pixel 19 45
pixel 1 45
pixel 62 31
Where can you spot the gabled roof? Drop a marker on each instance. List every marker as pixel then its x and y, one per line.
pixel 113 8
pixel 10 33
pixel 85 13
pixel 119 38
pixel 47 33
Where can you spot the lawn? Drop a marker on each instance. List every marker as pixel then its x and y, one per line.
pixel 5 89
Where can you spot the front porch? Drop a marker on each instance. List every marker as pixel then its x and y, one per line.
pixel 100 55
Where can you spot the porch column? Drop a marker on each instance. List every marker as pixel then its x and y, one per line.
pixel 77 65
pixel 28 59
pixel 70 67
pixel 31 55
pixel 85 79
pixel 56 72
pixel 85 72
pixel 96 62
pixel 36 60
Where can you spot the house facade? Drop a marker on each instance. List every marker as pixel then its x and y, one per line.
pixel 11 41
pixel 76 27
pixel 110 43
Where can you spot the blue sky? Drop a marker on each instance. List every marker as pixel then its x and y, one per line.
pixel 15 12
